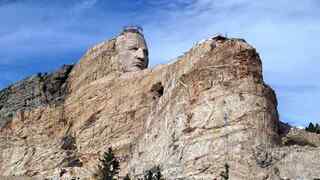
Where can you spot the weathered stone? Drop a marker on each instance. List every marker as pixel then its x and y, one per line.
pixel 68 143
pixel 35 91
pixel 294 136
pixel 190 118
pixel 133 52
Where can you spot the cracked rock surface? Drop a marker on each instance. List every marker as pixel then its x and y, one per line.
pixel 209 108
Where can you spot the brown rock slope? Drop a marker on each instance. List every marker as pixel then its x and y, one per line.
pixel 190 118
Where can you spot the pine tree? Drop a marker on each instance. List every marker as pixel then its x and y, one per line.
pixel 127 177
pixel 310 128
pixel 153 174
pixel 317 129
pixel 314 128
pixel 148 175
pixel 157 174
pixel 109 167
pixel 225 174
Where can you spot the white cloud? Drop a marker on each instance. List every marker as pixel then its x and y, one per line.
pixel 83 5
pixel 285 33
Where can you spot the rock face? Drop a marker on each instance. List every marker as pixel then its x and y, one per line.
pixel 190 118
pixel 38 90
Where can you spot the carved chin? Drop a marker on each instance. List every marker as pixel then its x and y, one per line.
pixel 138 65
pixel 133 68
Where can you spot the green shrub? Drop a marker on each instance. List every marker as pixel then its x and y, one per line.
pixel 313 128
pixel 127 177
pixel 109 167
pixel 225 174
pixel 153 174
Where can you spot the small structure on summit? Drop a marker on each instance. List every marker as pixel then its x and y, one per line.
pixel 133 28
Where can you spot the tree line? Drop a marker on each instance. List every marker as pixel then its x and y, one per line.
pixel 314 128
pixel 109 169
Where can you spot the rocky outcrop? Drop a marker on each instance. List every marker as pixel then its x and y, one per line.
pixel 294 136
pixel 33 92
pixel 209 108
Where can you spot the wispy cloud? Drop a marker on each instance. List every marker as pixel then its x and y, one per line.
pixel 285 33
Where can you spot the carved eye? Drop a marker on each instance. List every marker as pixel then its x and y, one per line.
pixel 134 48
pixel 145 52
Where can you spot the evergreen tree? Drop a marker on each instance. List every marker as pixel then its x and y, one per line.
pixel 127 177
pixel 314 128
pixel 317 129
pixel 310 128
pixel 157 174
pixel 153 174
pixel 109 167
pixel 225 174
pixel 148 175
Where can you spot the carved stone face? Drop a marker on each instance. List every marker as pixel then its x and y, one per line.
pixel 133 52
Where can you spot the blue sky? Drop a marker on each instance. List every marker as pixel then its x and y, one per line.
pixel 41 35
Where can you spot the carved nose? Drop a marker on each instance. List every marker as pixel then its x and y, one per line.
pixel 140 53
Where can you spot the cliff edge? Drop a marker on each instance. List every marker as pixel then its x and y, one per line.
pixel 209 108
